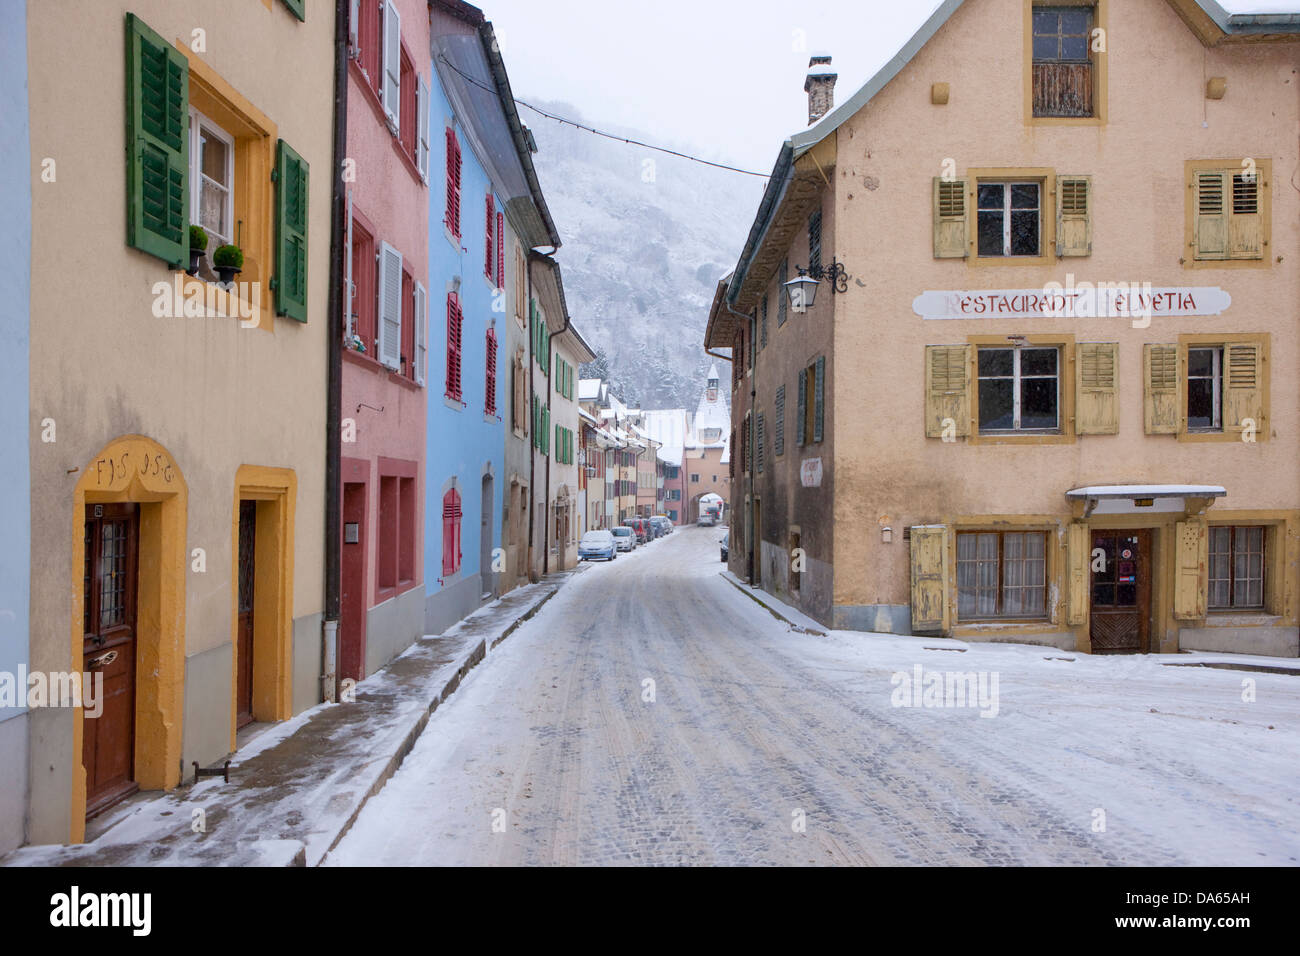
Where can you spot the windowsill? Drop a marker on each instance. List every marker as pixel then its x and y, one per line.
pixel 224 304
pixel 388 593
pixel 1029 261
pixel 455 404
pixel 1017 626
pixel 364 360
pixel 1021 438
pixel 1187 435
pixel 1262 262
pixel 452 239
pixel 1241 617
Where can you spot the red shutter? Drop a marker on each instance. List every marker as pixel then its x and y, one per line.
pixel 501 251
pixel 487 234
pixel 450 533
pixel 453 183
pixel 491 391
pixel 454 319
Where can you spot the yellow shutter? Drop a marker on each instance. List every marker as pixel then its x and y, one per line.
pixel 1074 215
pixel 949 218
pixel 1210 203
pixel 947 390
pixel 1243 386
pixel 1244 223
pixel 1096 398
pixel 1078 554
pixel 1160 389
pixel 929 578
pixel 1191 556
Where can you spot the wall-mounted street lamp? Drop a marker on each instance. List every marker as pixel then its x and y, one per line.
pixel 803 288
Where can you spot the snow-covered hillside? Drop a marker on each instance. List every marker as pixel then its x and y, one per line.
pixel 646 236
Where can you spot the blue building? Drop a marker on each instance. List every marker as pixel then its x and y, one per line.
pixel 15 415
pixel 486 213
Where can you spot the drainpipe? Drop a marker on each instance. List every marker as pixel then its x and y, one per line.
pixel 752 322
pixel 532 451
pixel 334 372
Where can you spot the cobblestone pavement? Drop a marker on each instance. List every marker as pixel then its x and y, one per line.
pixel 551 754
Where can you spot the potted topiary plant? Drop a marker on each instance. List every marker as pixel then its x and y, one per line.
pixel 198 245
pixel 228 261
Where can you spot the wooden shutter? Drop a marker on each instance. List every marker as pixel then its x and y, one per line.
pixel 819 399
pixel 501 251
pixel 390 306
pixel 422 124
pixel 521 284
pixel 1074 215
pixel 1078 554
pixel 299 8
pixel 1096 390
pixel 758 446
pixel 950 219
pixel 421 333
pixel 929 578
pixel 157 138
pixel 452 219
pixel 291 196
pixel 1160 412
pixel 1243 386
pixel 1191 558
pixel 392 53
pixel 349 280
pixel 489 243
pixel 947 389
pixel 1210 199
pixel 451 515
pixel 1245 227
pixel 801 421
pixel 546 429
pixel 778 440
pixel 454 321
pixel 490 389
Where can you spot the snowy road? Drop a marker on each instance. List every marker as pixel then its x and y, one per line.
pixel 767 746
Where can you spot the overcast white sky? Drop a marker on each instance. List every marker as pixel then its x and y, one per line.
pixel 723 77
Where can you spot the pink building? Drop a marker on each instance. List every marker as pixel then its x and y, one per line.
pixel 384 354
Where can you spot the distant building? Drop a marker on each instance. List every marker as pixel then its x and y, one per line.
pixel 706 460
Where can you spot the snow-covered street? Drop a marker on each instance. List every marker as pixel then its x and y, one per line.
pixel 756 744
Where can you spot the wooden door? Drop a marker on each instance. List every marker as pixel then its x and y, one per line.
pixel 1121 592
pixel 756 543
pixel 352 603
pixel 108 649
pixel 247 581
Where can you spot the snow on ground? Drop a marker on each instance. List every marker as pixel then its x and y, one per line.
pixel 756 728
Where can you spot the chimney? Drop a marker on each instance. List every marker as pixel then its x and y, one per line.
pixel 820 86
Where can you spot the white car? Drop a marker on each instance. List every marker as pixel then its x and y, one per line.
pixel 624 537
pixel 597 544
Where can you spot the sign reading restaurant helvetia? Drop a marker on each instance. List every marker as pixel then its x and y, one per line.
pixel 1073 300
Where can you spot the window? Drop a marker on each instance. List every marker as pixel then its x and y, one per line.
pixel 1229 215
pixel 490 387
pixel 1009 218
pixel 451 516
pixel 519 418
pixel 389 507
pixel 815 242
pixel 710 435
pixel 763 323
pixel 1001 575
pixel 451 218
pixel 406 531
pixel 407 367
pixel 811 396
pixel 489 242
pixel 364 290
pixel 501 251
pixel 367 40
pixel 455 321
pixel 212 176
pixel 1204 389
pixel 1236 567
pixel 408 118
pixel 1019 389
pixel 695 479
pixel 1064 84
pixel 521 286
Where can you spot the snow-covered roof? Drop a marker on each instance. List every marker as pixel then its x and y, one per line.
pixel 710 415
pixel 668 427
pixel 1147 491
pixel 588 389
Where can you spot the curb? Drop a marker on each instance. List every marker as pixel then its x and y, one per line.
pixel 1230 666
pixel 749 593
pixel 471 660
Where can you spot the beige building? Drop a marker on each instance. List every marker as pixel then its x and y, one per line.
pixel 1047 389
pixel 178 438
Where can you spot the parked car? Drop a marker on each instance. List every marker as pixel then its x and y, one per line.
pixel 667 523
pixel 656 526
pixel 597 544
pixel 723 542
pixel 624 537
pixel 639 528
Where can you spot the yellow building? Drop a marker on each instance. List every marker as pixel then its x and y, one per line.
pixel 1047 391
pixel 178 438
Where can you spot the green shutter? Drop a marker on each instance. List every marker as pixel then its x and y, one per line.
pixel 819 399
pixel 299 8
pixel 290 233
pixel 799 426
pixel 157 145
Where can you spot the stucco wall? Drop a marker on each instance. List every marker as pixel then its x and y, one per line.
pixel 214 395
pixel 1158 118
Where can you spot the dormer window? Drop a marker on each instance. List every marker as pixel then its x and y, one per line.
pixel 1064 77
